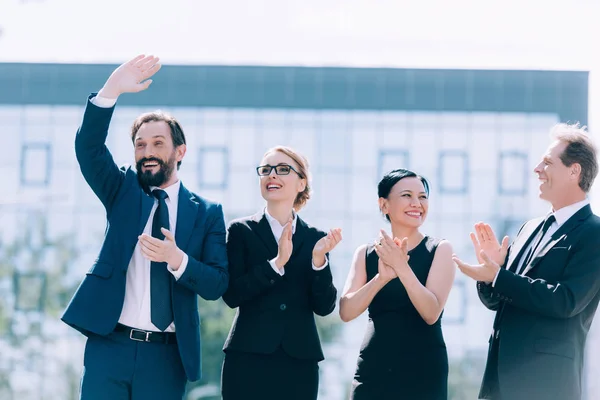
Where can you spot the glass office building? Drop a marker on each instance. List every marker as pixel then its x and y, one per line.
pixel 475 134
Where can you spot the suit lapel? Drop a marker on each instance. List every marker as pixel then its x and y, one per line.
pixel 187 214
pixel 264 232
pixel 559 235
pixel 298 237
pixel 147 203
pixel 521 243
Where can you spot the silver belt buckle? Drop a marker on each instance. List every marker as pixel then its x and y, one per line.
pixel 147 339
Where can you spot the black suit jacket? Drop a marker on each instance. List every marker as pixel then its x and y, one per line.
pixel 275 310
pixel 544 314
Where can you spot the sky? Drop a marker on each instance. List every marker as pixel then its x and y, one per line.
pixel 483 34
pixel 460 33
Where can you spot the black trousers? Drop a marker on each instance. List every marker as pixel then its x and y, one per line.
pixel 276 376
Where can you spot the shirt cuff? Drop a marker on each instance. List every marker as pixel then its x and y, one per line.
pixel 322 267
pixel 496 277
pixel 177 274
pixel 279 271
pixel 103 102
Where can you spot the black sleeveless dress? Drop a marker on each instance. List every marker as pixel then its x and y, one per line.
pixel 401 357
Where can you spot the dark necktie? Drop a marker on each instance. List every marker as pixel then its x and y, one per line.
pixel 161 311
pixel 547 222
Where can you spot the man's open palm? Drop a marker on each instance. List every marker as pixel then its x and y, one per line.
pixel 484 239
pixel 131 77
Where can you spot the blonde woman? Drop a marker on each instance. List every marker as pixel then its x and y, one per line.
pixel 279 278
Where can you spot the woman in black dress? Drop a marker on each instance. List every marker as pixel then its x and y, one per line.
pixel 279 278
pixel 404 280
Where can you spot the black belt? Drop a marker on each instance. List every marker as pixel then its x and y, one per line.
pixel 141 335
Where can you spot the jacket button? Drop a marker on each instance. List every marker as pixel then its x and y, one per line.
pixel 272 281
pixel 282 307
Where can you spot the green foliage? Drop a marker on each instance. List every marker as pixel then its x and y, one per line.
pixel 34 273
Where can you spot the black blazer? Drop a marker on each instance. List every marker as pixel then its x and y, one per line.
pixel 543 315
pixel 275 310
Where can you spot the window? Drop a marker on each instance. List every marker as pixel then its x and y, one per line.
pixel 213 167
pixel 36 164
pixel 29 290
pixel 453 172
pixel 390 160
pixel 512 173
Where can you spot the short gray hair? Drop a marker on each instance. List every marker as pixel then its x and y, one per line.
pixel 580 149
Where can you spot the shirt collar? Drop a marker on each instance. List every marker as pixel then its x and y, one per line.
pixel 563 214
pixel 273 222
pixel 172 191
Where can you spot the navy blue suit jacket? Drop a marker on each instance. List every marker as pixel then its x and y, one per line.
pixel 200 232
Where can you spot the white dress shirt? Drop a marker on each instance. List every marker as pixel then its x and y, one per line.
pixel 136 307
pixel 277 230
pixel 561 216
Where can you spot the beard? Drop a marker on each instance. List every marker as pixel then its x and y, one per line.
pixel 165 170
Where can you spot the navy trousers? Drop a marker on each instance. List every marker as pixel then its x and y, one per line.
pixel 118 368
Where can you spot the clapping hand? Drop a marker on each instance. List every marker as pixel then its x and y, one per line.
pixel 325 245
pixel 393 252
pixel 285 245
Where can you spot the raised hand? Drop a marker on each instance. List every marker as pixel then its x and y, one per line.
pixel 131 77
pixel 285 245
pixel 485 239
pixel 325 245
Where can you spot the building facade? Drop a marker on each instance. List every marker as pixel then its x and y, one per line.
pixel 475 134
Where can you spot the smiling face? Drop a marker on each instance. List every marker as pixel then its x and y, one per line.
pixel 557 181
pixel 280 188
pixel 155 155
pixel 407 202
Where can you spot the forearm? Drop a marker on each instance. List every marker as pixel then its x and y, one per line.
pixel 486 295
pixel 208 281
pixel 558 300
pixel 247 285
pixel 95 161
pixel 355 303
pixel 323 292
pixel 422 298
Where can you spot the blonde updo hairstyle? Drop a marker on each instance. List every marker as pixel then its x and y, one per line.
pixel 303 171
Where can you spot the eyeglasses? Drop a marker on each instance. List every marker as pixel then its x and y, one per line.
pixel 280 169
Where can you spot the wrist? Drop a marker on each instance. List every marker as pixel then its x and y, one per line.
pixel 108 93
pixel 402 270
pixel 493 276
pixel 318 260
pixel 382 281
pixel 176 260
pixel 278 262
